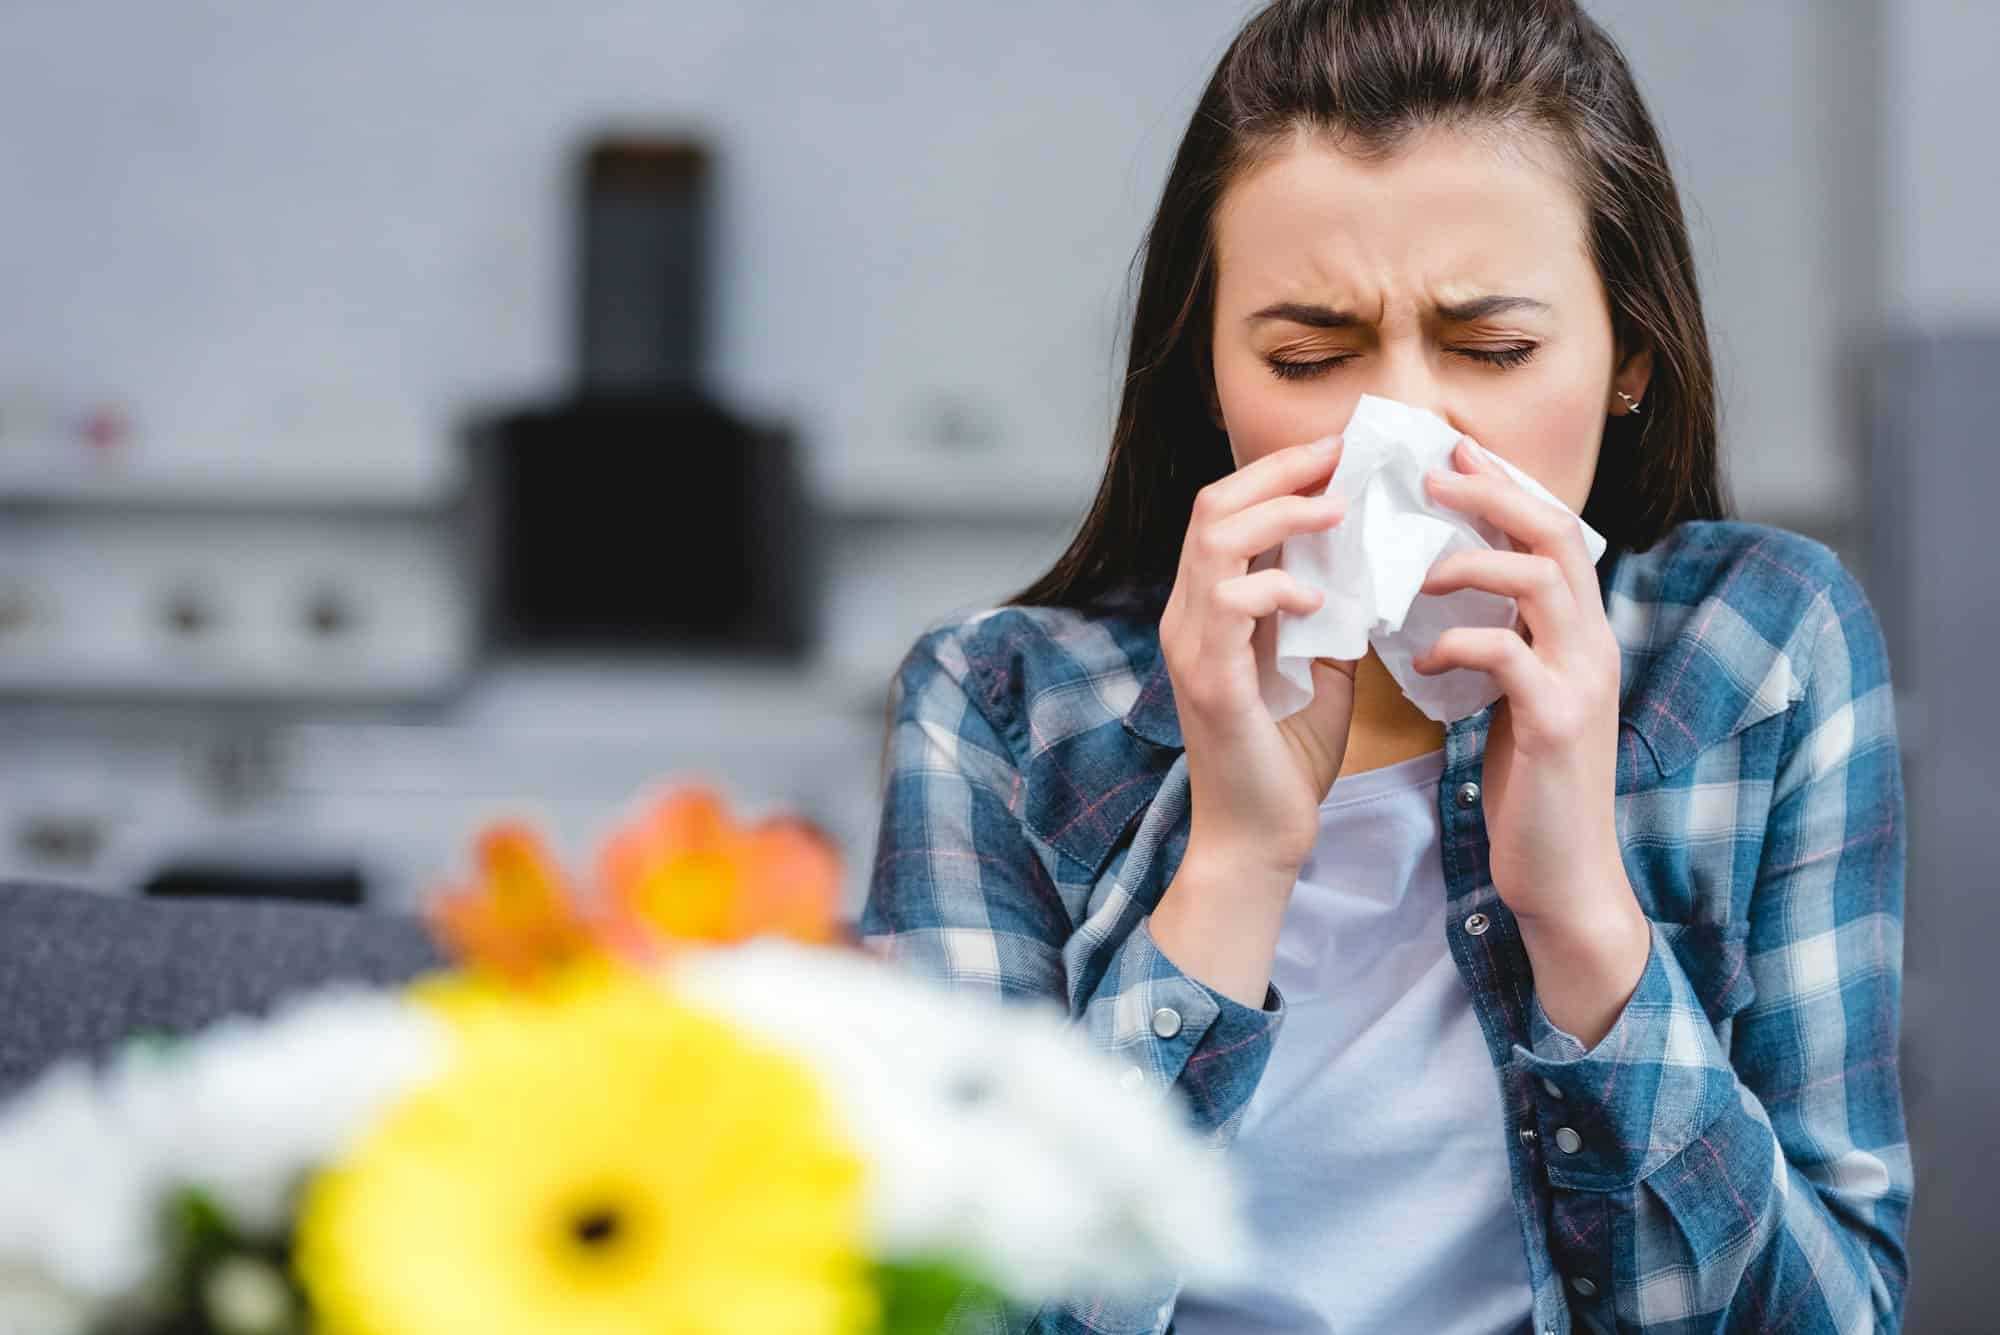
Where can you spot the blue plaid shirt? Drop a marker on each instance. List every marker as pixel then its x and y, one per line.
pixel 1732 1154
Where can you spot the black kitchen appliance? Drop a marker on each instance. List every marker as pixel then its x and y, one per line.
pixel 640 513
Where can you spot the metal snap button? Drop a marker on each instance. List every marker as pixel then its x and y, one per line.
pixel 1477 924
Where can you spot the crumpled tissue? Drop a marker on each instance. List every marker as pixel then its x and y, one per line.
pixel 1371 564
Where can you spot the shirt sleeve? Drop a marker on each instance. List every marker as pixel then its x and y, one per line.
pixel 959 891
pixel 1768 1183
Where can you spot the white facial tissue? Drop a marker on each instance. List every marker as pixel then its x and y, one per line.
pixel 1371 564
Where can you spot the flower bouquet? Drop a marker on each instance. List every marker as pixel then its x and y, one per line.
pixel 662 1098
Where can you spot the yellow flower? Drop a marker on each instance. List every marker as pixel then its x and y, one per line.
pixel 599 1159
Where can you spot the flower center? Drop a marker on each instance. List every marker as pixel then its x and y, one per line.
pixel 597 1229
pixel 693 895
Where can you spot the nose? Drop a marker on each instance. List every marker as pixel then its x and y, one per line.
pixel 1405 373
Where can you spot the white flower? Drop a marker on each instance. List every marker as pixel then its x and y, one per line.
pixel 248 1108
pixel 996 1131
pixel 244 1295
pixel 77 1196
pixel 32 1303
pixel 241 1112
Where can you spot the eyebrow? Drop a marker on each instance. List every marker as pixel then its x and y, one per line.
pixel 1326 317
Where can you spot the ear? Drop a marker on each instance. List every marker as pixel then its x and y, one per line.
pixel 1632 377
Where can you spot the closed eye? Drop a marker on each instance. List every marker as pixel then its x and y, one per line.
pixel 1509 356
pixel 1305 370
pixel 1516 355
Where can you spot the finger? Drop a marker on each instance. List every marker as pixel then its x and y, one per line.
pixel 1488 649
pixel 1268 523
pixel 1263 592
pixel 1481 488
pixel 1537 584
pixel 1279 473
pixel 1344 666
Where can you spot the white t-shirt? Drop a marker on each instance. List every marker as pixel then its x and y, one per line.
pixel 1373 1150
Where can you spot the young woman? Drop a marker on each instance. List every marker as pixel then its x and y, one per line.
pixel 1580 1012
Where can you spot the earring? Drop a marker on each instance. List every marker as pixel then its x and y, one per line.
pixel 1631 404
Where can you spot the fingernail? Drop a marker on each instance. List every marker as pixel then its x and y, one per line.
pixel 1326 445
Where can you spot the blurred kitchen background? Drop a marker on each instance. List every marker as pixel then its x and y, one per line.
pixel 411 412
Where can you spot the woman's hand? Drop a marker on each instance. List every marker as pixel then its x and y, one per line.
pixel 1256 785
pixel 1550 772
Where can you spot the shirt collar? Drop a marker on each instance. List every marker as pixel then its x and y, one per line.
pixel 1153 716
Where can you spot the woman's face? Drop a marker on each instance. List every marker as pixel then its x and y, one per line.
pixel 1452 276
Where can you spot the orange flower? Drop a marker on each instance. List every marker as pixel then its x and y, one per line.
pixel 519 918
pixel 684 870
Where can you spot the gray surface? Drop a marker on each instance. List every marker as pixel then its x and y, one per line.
pixel 1934 476
pixel 80 971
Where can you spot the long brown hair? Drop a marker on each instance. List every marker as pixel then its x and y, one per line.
pixel 1367 74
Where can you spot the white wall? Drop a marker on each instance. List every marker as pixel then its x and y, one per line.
pixel 1733 88
pixel 309 236
pixel 1943 184
pixel 279 231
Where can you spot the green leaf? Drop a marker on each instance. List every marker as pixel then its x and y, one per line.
pixel 202 1243
pixel 919 1295
pixel 197 1226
